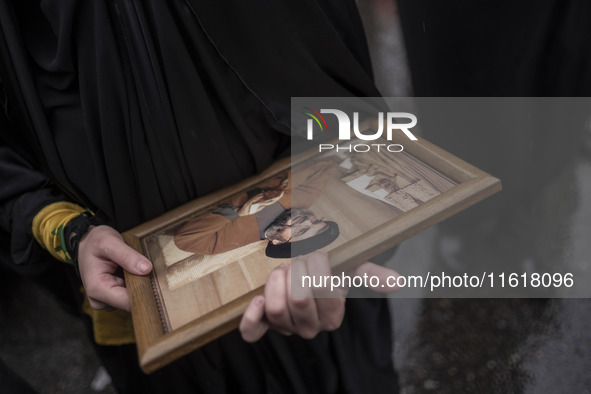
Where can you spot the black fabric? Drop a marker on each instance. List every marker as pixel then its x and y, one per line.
pixel 128 100
pixel 73 233
pixel 23 192
pixel 498 48
pixel 12 383
pixel 132 108
pixel 331 363
pixel 503 48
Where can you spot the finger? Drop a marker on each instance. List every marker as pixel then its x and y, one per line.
pixel 300 279
pixel 276 309
pixel 319 267
pixel 110 290
pixel 253 324
pixel 330 303
pixel 331 312
pixel 386 282
pixel 114 248
pixel 302 307
pixel 118 298
pixel 95 304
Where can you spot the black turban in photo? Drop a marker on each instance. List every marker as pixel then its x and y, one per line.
pixel 299 248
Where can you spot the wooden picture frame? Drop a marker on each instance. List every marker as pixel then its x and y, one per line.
pixel 158 345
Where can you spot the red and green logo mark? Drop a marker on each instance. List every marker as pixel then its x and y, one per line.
pixel 317 117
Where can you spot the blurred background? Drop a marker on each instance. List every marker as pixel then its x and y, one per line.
pixel 441 345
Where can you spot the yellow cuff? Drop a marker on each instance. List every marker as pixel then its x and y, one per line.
pixel 110 327
pixel 48 227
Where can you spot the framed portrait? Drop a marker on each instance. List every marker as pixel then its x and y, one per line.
pixel 214 254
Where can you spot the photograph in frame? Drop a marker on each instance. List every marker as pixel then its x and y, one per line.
pixel 213 255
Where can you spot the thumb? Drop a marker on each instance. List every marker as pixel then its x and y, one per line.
pixel 129 259
pixel 113 248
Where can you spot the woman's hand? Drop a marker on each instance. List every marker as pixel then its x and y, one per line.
pixel 100 254
pixel 305 315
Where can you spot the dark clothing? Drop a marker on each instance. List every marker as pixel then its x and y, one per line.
pixel 132 108
pixel 498 48
pixel 503 48
pixel 129 102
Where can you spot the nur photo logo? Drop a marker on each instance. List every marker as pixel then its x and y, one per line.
pixel 387 123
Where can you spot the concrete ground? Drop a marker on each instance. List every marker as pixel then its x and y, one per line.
pixel 441 345
pixel 43 344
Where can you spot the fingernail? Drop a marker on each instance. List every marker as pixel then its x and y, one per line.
pixel 143 266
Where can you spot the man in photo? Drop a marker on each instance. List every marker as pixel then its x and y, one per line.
pixel 267 215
